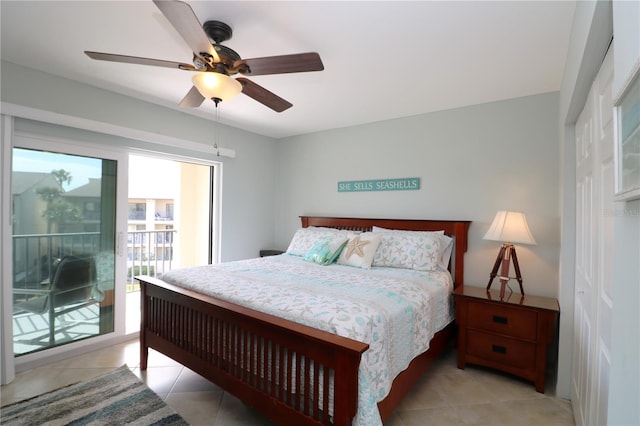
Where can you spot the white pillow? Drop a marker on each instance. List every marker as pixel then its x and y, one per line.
pixel 419 251
pixel 446 248
pixel 446 243
pixel 359 250
pixel 378 229
pixel 305 238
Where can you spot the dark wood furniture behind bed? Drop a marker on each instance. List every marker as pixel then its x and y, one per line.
pixel 274 365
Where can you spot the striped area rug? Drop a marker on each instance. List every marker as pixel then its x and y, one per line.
pixel 117 398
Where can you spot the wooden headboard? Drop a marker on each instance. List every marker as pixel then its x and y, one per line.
pixel 457 229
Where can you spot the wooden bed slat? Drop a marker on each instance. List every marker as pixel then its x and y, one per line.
pixel 282 369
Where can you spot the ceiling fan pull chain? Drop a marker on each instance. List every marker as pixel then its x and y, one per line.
pixel 216 130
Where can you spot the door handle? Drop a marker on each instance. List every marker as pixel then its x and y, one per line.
pixel 119 243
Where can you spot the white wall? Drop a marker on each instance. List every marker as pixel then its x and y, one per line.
pixel 472 162
pixel 624 392
pixel 626 48
pixel 247 211
pixel 624 385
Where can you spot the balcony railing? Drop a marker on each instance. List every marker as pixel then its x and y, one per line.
pixel 137 215
pixel 148 253
pixel 160 218
pixel 35 256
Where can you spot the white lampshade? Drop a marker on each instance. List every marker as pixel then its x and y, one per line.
pixel 510 227
pixel 213 85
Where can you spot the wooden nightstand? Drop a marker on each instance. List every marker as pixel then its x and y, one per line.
pixel 264 253
pixel 510 335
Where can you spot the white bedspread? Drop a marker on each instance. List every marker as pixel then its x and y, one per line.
pixel 395 311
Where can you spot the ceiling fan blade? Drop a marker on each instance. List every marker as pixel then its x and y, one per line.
pixel 137 60
pixel 185 21
pixel 298 62
pixel 193 99
pixel 263 96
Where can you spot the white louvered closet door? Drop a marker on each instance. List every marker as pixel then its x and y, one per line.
pixel 594 252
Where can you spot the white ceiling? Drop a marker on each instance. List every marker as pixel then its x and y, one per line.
pixel 383 59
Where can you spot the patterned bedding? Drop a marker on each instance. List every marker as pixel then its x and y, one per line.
pixel 395 311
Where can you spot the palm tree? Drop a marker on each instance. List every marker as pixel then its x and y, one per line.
pixel 58 210
pixel 62 176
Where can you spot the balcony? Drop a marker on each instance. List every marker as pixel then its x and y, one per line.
pixel 35 255
pixel 34 263
pixel 163 218
pixel 137 215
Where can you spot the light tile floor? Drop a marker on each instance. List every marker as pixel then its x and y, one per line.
pixel 444 396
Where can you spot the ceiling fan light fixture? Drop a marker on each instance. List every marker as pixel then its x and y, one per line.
pixel 213 85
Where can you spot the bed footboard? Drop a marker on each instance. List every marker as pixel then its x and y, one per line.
pixel 291 373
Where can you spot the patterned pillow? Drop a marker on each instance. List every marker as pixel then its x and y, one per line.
pixel 305 238
pixel 325 251
pixel 419 251
pixel 359 250
pixel 446 243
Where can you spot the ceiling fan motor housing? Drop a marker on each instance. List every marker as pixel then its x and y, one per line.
pixel 217 31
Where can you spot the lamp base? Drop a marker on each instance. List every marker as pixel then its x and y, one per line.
pixel 506 253
pixel 503 287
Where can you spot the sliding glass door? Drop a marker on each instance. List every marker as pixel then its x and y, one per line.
pixel 170 221
pixel 66 256
pixel 64 252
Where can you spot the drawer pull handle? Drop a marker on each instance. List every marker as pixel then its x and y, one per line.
pixel 500 320
pixel 499 349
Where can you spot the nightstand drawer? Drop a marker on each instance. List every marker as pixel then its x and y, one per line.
pixel 520 323
pixel 514 353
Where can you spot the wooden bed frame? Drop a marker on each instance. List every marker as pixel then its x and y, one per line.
pixel 274 365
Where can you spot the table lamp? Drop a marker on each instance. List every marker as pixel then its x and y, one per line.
pixel 508 227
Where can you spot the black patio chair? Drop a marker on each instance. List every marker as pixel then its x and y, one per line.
pixel 72 288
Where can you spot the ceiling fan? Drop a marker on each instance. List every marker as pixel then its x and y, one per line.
pixel 214 64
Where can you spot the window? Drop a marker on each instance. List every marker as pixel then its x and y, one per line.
pixel 137 211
